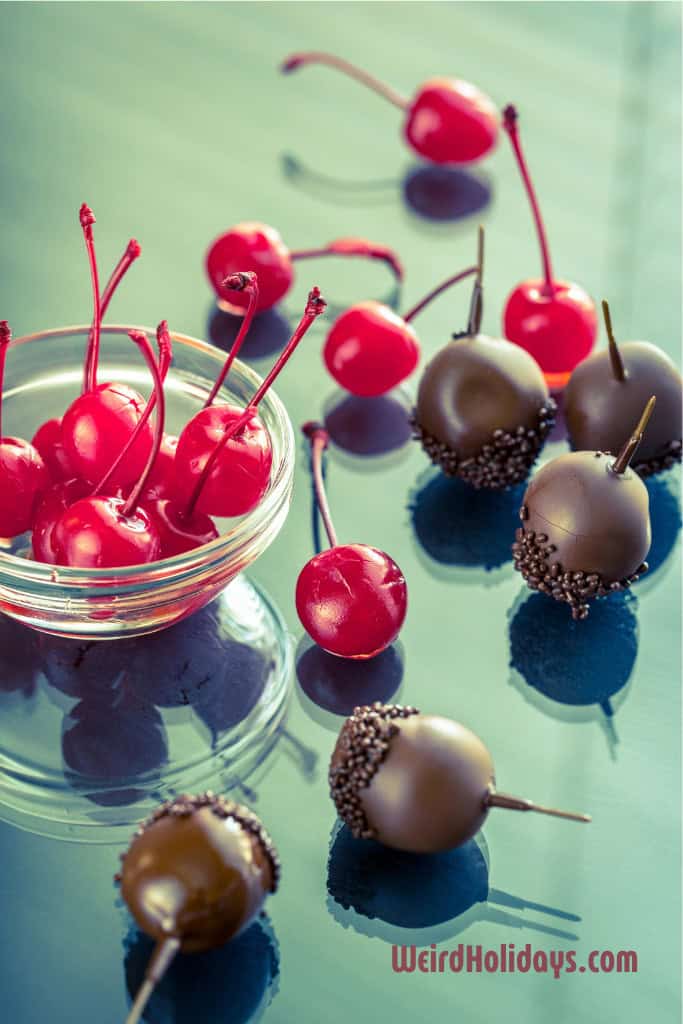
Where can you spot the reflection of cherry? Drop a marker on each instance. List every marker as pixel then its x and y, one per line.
pixel 19 662
pixel 259 248
pixel 553 320
pixel 88 670
pixel 448 121
pixel 351 598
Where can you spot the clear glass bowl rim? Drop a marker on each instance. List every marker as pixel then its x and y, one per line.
pixel 278 491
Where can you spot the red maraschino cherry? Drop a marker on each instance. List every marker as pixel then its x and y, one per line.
pixel 224 455
pixel 259 248
pixel 351 598
pixel 555 321
pixel 23 474
pixel 371 349
pixel 96 426
pixel 448 121
pixel 102 532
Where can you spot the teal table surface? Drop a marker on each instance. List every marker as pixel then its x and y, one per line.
pixel 173 122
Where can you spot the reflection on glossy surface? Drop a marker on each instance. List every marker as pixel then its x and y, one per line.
pixel 229 985
pixel 434 896
pixel 339 685
pixel 457 525
pixel 368 426
pixel 268 333
pixel 445 193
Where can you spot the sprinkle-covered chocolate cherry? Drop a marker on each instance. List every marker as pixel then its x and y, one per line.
pixel 483 407
pixel 585 525
pixel 416 782
pixel 195 875
pixel 607 392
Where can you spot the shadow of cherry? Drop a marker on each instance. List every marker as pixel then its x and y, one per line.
pixel 338 685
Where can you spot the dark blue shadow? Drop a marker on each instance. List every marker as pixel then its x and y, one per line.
pixel 665 518
pixel 445 193
pixel 267 335
pixel 368 426
pixel 19 657
pixel 338 685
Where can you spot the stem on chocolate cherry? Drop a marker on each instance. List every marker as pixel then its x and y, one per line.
pixel 314 307
pixel 625 456
pixel 131 253
pixel 515 803
pixel 510 118
pixel 412 313
pixel 614 354
pixel 87 219
pixel 319 439
pixel 5 338
pixel 298 60
pixel 142 342
pixel 355 247
pixel 161 960
pixel 240 282
pixel 476 304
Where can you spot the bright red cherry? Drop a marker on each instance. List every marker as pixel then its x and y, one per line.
pixel 224 455
pixel 371 349
pixel 553 320
pixel 259 248
pixel 47 440
pixel 160 481
pixel 51 507
pixel 352 598
pixel 448 121
pixel 105 532
pixel 178 531
pixel 23 474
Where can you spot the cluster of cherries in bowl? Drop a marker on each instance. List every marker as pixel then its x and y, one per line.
pixel 102 487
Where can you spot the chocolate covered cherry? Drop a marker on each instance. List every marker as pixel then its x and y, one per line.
pixel 585 525
pixel 416 782
pixel 607 391
pixel 483 409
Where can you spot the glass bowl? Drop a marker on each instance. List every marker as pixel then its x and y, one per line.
pixel 43 376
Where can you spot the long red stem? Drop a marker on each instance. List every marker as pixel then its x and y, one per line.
pixel 299 60
pixel 412 313
pixel 314 307
pixel 240 282
pixel 142 342
pixel 355 247
pixel 319 440
pixel 132 252
pixel 510 117
pixel 5 338
pixel 87 219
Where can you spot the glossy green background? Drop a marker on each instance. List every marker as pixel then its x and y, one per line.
pixel 171 121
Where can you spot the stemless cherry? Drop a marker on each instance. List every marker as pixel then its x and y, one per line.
pixel 102 532
pixel 224 456
pixel 448 121
pixel 259 248
pixel 23 474
pixel 555 321
pixel 351 598
pixel 370 349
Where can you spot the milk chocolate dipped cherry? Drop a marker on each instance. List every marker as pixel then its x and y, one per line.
pixel 553 320
pixel 195 875
pixel 483 408
pixel 607 391
pixel 352 598
pixel 414 782
pixel 448 121
pixel 585 525
pixel 259 249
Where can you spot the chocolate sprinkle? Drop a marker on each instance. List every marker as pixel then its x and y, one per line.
pixel 363 745
pixel 183 806
pixel 505 461
pixel 532 555
pixel 659 463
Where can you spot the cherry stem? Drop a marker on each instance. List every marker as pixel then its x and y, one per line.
pixel 314 307
pixel 319 440
pixel 142 342
pixel 132 252
pixel 298 60
pixel 5 338
pixel 240 282
pixel 412 313
pixel 477 301
pixel 614 354
pixel 87 219
pixel 625 456
pixel 162 958
pixel 164 361
pixel 515 803
pixel 355 247
pixel 510 117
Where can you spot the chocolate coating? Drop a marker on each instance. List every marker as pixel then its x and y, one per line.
pixel 600 410
pixel 198 870
pixel 483 399
pixel 423 788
